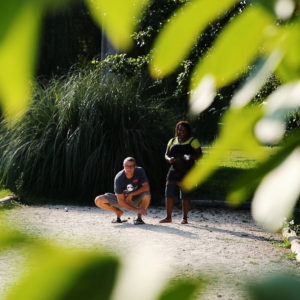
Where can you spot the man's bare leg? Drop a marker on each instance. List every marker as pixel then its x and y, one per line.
pixel 102 202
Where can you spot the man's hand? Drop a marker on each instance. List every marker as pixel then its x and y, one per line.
pixel 172 160
pixel 128 198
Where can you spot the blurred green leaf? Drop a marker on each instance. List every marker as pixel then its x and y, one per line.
pixel 256 79
pixel 118 18
pixel 186 26
pixel 269 5
pixel 9 10
pixel 10 237
pixel 245 185
pixel 289 69
pixel 182 288
pixel 236 133
pixel 235 49
pixel 278 287
pixel 66 274
pixel 18 45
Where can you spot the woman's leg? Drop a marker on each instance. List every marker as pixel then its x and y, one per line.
pixel 169 209
pixel 185 210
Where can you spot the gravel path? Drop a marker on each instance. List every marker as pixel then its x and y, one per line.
pixel 219 243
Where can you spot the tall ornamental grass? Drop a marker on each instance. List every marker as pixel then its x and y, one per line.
pixel 75 135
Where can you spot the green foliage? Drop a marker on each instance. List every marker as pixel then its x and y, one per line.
pixel 228 140
pixel 238 58
pixel 122 64
pixel 57 273
pixel 9 205
pixel 276 288
pixel 246 184
pixel 183 288
pixel 285 244
pixel 69 274
pixel 69 36
pixel 4 193
pixel 11 238
pixel 294 223
pixel 58 137
pixel 293 120
pixel 165 59
pixel 151 22
pixel 19 34
pixel 75 135
pixel 118 26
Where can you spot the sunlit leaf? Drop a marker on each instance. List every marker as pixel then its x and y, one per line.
pixel 61 274
pixel 203 96
pixel 289 42
pixel 256 80
pixel 10 237
pixel 282 9
pixel 286 40
pixel 147 268
pixel 270 131
pixel 17 57
pixel 236 133
pixel 181 289
pixel 235 49
pixel 9 11
pixel 180 34
pixel 277 287
pixel 277 194
pixel 282 101
pixel 118 18
pixel 244 186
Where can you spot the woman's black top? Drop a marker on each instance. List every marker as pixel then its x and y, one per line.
pixel 181 166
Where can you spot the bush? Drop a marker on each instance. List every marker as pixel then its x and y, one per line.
pixel 76 133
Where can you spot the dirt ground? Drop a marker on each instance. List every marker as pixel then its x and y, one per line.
pixel 218 243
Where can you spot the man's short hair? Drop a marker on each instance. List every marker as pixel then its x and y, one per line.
pixel 129 159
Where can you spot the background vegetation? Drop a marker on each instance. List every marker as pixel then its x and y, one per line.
pixel 56 141
pixel 84 118
pixel 72 140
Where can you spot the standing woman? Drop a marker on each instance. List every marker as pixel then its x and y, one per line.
pixel 181 153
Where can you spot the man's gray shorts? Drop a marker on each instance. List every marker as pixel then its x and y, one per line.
pixel 113 201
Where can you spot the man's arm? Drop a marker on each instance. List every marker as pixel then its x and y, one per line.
pixel 144 188
pixel 123 202
pixel 198 150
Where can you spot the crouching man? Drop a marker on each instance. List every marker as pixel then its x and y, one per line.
pixel 132 191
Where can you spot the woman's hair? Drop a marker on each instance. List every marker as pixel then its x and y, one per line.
pixel 186 125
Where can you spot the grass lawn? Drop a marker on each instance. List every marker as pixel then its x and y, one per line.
pixel 215 188
pixel 4 193
pixel 217 185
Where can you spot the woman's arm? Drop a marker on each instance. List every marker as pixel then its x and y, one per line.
pixel 198 154
pixel 169 159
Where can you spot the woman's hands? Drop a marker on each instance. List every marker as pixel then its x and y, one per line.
pixel 171 160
